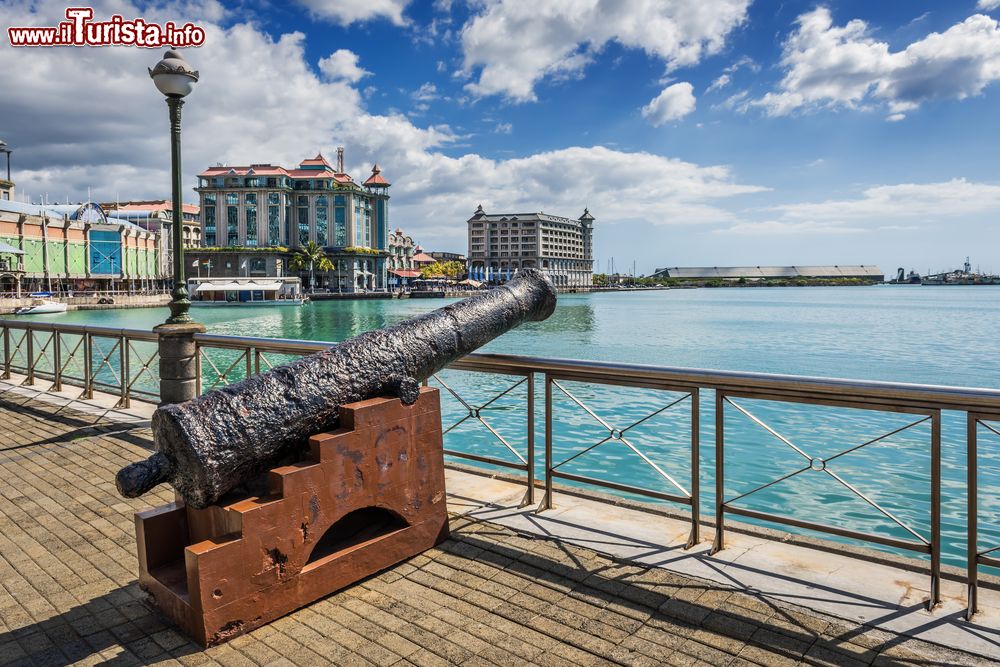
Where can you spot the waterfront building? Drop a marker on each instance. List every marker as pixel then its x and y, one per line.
pixel 401 268
pixel 866 273
pixel 157 216
pixel 268 206
pixel 505 243
pixel 440 256
pixel 74 247
pixel 6 189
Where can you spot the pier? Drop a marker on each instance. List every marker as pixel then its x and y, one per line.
pixel 539 569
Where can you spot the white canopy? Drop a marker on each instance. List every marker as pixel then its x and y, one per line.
pixel 237 287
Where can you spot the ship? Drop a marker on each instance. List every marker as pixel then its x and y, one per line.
pixel 963 276
pixel 903 278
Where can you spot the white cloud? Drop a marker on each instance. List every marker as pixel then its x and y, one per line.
pixel 122 149
pixel 884 208
pixel 782 228
pixel 342 65
pixel 721 82
pixel 828 66
pixel 426 93
pixel 346 12
pixel 503 128
pixel 930 201
pixel 514 44
pixel 988 5
pixel 673 102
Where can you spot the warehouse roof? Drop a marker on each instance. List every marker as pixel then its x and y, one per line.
pixel 802 271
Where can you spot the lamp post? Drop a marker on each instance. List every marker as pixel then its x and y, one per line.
pixel 177 346
pixel 175 79
pixel 4 149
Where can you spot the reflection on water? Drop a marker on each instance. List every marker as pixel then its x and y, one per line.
pixel 944 335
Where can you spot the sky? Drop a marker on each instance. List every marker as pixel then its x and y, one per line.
pixel 697 132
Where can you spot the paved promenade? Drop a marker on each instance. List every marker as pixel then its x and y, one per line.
pixel 487 596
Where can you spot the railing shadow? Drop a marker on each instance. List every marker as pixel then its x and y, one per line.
pixel 787 634
pixel 119 618
pixel 82 425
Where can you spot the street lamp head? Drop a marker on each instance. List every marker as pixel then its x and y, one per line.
pixel 3 147
pixel 173 76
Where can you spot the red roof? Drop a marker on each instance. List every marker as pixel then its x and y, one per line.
pixel 405 273
pixel 376 178
pixel 159 205
pixel 423 258
pixel 318 160
pixel 243 171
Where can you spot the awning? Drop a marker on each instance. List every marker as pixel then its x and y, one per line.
pixel 405 273
pixel 238 287
pixel 218 287
pixel 8 249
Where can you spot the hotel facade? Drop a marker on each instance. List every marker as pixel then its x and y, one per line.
pixel 502 243
pixel 268 206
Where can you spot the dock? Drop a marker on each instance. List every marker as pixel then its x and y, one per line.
pixel 585 583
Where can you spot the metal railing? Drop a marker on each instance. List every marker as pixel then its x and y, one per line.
pixel 124 362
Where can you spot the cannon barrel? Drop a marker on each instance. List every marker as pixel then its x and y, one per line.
pixel 225 438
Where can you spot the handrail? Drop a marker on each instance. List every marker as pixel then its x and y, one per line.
pixel 943 397
pixel 108 354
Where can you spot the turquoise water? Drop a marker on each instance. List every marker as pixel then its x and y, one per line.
pixel 943 335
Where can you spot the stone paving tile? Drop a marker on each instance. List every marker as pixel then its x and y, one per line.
pixel 486 597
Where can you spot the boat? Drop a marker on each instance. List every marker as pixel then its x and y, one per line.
pixel 262 291
pixel 963 276
pixel 42 307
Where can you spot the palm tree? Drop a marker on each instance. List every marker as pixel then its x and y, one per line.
pixel 314 257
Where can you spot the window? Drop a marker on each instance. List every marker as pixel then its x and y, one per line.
pixel 251 213
pixel 303 200
pixel 273 225
pixel 303 225
pixel 232 198
pixel 258 265
pixel 321 220
pixel 232 226
pixel 273 198
pixel 339 225
pixel 208 206
pixel 339 200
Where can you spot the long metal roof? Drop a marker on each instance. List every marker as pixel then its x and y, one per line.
pixel 801 271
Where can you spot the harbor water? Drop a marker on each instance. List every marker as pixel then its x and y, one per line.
pixel 915 334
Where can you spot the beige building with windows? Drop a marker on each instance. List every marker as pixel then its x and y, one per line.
pixel 268 206
pixel 501 244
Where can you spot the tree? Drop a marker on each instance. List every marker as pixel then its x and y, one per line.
pixel 451 269
pixel 313 257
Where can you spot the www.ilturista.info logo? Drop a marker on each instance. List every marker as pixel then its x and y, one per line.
pixel 79 30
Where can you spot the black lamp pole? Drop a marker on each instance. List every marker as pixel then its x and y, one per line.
pixel 175 79
pixel 179 303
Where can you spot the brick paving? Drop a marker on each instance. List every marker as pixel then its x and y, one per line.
pixel 487 596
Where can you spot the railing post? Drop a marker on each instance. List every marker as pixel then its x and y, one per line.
pixel 529 498
pixel 249 355
pixel 197 369
pixel 972 464
pixel 935 599
pixel 720 478
pixel 547 500
pixel 88 363
pixel 179 368
pixel 30 347
pixel 695 537
pixel 123 368
pixel 56 361
pixel 6 353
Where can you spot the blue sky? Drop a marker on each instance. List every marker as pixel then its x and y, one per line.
pixel 699 132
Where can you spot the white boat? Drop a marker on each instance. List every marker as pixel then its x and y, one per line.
pixel 245 292
pixel 41 307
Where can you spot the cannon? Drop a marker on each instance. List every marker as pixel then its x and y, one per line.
pixel 225 438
